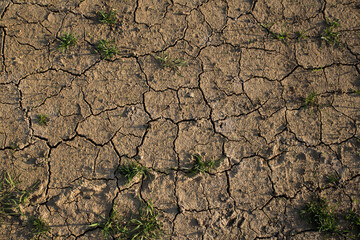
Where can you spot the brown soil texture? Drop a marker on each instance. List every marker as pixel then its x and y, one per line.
pixel 282 112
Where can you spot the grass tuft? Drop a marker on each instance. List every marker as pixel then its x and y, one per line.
pixel 321 216
pixel 333 179
pixel 106 49
pixel 143 226
pixel 11 197
pixel 107 17
pixel 14 147
pixel 168 62
pixel 280 36
pixel 329 35
pixel 112 226
pixel 131 170
pixel 299 35
pixel 202 166
pixel 42 119
pixel 311 100
pixel 67 40
pixel 39 227
pixel 354 220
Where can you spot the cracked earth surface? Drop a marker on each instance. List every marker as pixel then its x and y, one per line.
pixel 240 97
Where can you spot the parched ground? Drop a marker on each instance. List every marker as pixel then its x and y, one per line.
pixel 282 111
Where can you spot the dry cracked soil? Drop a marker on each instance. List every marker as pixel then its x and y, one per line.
pixel 269 87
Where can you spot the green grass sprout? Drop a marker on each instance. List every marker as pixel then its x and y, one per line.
pixel 131 170
pixel 354 219
pixel 280 36
pixel 11 197
pixel 168 62
pixel 67 40
pixel 311 100
pixel 321 216
pixel 333 179
pixel 202 166
pixel 329 34
pixel 145 225
pixel 299 35
pixel 40 228
pixel 42 119
pixel 106 49
pixel 107 17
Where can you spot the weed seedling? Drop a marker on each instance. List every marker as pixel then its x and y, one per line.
pixel 107 17
pixel 354 220
pixel 267 26
pixel 318 69
pixel 42 119
pixel 202 166
pixel 252 40
pixel 319 214
pixel 67 40
pixel 106 49
pixel 39 227
pixel 131 170
pixel 11 197
pixel 280 36
pixel 299 35
pixel 168 62
pixel 14 147
pixel 143 226
pixel 311 100
pixel 113 225
pixel 332 179
pixel 7 195
pixel 329 35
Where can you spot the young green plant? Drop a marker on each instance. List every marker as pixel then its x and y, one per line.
pixel 67 40
pixel 299 35
pixel 168 62
pixel 146 225
pixel 280 36
pixel 112 226
pixel 203 166
pixel 106 49
pixel 311 100
pixel 354 220
pixel 40 228
pixel 333 179
pixel 11 197
pixel 321 216
pixel 107 17
pixel 329 34
pixel 143 226
pixel 131 170
pixel 14 147
pixel 42 119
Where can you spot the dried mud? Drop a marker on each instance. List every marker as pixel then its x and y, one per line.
pixel 241 97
